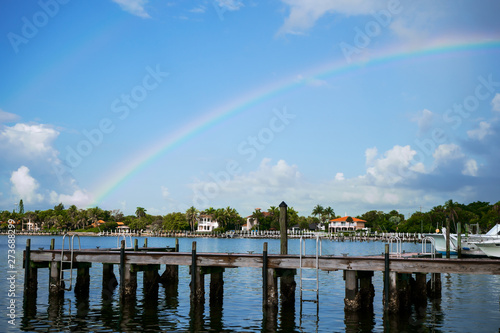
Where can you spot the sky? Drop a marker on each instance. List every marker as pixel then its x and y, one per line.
pixel 358 105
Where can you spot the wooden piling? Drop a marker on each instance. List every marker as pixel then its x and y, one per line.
pixel 150 281
pixel 197 279
pixel 287 285
pixel 283 228
pixel 82 283
pixel 54 275
pixel 351 301
pixel 108 277
pixel 129 286
pixel 30 271
pixel 216 286
pixel 136 244
pixel 264 273
pixel 419 290
pixel 386 279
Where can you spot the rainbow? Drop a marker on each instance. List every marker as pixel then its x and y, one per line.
pixel 219 114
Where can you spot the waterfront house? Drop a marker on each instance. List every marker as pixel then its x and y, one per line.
pixel 122 227
pixel 346 223
pixel 253 221
pixel 98 223
pixel 207 223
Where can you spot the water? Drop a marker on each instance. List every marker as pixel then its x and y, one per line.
pixel 470 303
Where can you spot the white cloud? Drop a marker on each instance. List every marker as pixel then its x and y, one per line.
pixel 339 176
pixel 79 198
pixel 7 117
pixel 24 186
pixel 164 192
pixel 370 155
pixel 230 5
pixel 394 167
pixel 447 152
pixel 481 132
pixel 135 7
pixel 424 119
pixel 29 141
pixel 470 168
pixel 199 10
pixel 304 13
pixel 496 103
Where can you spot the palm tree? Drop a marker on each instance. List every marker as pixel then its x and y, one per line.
pixel 329 212
pixel 140 212
pixel 192 216
pixel 318 211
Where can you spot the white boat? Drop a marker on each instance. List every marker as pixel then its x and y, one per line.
pixel 469 242
pixel 490 247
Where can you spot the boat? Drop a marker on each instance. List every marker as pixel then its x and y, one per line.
pixel 469 243
pixel 490 247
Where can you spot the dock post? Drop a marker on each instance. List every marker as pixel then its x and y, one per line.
pixel 55 289
pixel 283 228
pixel 419 291
pixel 128 277
pixel 30 271
pixel 351 300
pixel 150 281
pixel 171 274
pixel 386 279
pixel 136 244
pixel 434 286
pixel 129 287
pixel 459 239
pixel 108 277
pixel 216 286
pixel 197 279
pixel 287 285
pixel 82 284
pixel 366 289
pixel 264 273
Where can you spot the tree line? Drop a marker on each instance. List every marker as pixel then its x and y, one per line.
pixel 482 214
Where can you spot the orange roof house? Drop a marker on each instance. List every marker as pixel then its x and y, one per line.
pixel 341 224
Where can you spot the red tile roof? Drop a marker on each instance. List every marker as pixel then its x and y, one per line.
pixel 344 219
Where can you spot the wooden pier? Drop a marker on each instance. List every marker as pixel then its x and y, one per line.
pixel 405 276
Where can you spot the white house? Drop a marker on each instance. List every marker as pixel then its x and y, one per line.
pixel 207 223
pixel 342 224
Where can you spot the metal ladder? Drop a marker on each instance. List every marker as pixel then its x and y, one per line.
pixel 303 279
pixel 70 262
pixel 302 268
pixel 123 237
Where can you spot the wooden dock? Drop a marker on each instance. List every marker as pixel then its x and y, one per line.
pixel 405 275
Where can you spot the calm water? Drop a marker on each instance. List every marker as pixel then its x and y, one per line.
pixel 470 303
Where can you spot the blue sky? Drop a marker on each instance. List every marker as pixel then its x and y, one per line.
pixel 357 105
